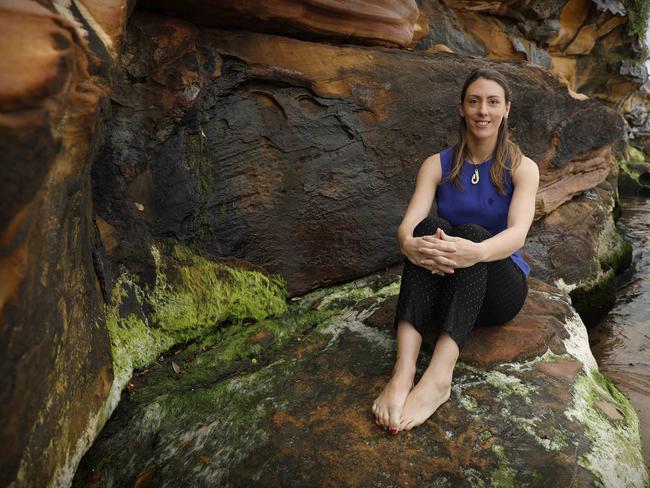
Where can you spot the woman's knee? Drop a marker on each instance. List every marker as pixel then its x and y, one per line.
pixel 473 232
pixel 429 225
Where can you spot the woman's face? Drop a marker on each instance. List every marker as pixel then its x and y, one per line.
pixel 484 108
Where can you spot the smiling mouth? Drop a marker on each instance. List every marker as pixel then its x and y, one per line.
pixel 482 123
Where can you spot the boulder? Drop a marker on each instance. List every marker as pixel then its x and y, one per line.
pixel 528 406
pixel 578 248
pixel 248 145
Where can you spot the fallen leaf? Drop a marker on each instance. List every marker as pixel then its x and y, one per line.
pixel 176 367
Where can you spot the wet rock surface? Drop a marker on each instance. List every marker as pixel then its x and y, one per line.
pixel 298 412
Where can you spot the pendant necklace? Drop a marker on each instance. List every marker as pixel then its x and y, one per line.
pixel 475 176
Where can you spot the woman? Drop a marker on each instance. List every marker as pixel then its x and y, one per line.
pixel 462 268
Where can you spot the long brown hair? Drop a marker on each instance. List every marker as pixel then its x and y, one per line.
pixel 506 150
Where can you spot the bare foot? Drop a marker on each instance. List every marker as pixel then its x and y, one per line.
pixel 387 407
pixel 422 402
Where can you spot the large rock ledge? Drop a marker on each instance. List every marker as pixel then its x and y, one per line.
pixel 249 145
pixel 292 406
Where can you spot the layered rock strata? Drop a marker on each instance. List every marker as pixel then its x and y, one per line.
pixel 382 22
pixel 596 48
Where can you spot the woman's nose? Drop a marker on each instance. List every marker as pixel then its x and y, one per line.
pixel 483 108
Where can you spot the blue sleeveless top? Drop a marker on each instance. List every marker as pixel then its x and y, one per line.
pixel 476 204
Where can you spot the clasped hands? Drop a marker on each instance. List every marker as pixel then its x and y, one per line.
pixel 441 253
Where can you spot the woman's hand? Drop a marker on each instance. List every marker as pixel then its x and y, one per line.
pixel 465 253
pixel 431 253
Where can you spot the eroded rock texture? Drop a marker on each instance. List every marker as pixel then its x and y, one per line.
pixel 594 47
pixel 249 145
pixel 55 362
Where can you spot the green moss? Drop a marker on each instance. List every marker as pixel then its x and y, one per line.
pixel 190 297
pixel 205 293
pixel 633 155
pixel 595 299
pixel 615 457
pixel 618 255
pixel 508 385
pixel 200 161
pixel 637 12
pixel 503 476
pixel 133 343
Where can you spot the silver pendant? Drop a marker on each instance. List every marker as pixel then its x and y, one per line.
pixel 475 176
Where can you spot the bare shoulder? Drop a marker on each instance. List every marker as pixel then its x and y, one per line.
pixel 526 171
pixel 432 160
pixel 432 167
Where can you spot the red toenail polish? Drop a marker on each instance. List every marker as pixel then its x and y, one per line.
pixel 393 430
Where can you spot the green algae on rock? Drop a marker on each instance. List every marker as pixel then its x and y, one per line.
pixel 191 296
pixel 611 439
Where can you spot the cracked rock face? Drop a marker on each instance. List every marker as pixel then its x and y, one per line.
pixel 527 405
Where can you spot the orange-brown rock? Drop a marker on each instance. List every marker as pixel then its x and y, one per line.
pixel 384 22
pixel 578 248
pixel 538 327
pixel 586 44
pixel 55 362
pixel 106 20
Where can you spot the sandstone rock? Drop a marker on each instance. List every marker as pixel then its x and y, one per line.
pixel 55 362
pixel 385 22
pixel 301 414
pixel 248 145
pixel 587 44
pixel 578 248
pixel 101 20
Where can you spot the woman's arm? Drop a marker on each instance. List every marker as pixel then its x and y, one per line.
pixel 428 178
pixel 520 216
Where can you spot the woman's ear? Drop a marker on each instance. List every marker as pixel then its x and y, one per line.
pixel 460 111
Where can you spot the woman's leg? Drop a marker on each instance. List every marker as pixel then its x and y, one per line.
pixel 388 405
pixel 413 317
pixel 462 297
pixel 434 388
